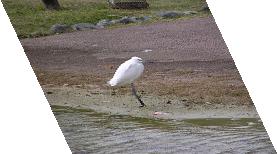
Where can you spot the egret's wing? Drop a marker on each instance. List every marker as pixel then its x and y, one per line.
pixel 122 69
pixel 119 73
pixel 126 73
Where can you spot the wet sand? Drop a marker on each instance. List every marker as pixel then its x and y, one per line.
pixel 160 107
pixel 188 74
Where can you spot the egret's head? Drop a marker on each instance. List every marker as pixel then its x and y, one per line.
pixel 137 59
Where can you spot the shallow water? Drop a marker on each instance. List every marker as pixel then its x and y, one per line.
pixel 89 132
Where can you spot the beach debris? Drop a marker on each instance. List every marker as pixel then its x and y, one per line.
pixel 184 100
pixel 88 95
pixel 79 86
pixel 209 103
pixel 168 102
pixel 160 113
pixel 147 50
pixel 251 123
pixel 187 105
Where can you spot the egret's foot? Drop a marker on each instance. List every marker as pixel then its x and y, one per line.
pixel 141 103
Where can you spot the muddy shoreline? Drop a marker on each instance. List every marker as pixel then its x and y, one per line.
pixel 188 65
pixel 167 107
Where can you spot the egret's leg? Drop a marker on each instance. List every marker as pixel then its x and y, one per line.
pixel 113 91
pixel 135 94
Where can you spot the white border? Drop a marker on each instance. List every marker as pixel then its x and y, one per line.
pixel 27 122
pixel 249 29
pixel 28 125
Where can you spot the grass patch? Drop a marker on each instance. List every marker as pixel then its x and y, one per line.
pixel 30 19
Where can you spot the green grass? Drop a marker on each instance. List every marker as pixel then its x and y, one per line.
pixel 30 19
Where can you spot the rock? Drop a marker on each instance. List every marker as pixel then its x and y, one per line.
pixel 60 28
pixel 128 4
pixel 175 14
pixel 85 26
pixel 142 19
pixel 104 22
pixel 115 21
pixel 127 20
pixel 187 105
pixel 189 12
pixel 49 92
pixel 123 20
pixel 205 7
pixel 170 14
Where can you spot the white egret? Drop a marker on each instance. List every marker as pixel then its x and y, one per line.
pixel 127 73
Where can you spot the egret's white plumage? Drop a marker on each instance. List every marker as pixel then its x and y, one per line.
pixel 127 72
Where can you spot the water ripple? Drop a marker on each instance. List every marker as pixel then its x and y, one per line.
pixel 90 132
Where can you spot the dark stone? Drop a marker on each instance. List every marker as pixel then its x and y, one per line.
pixel 175 14
pixel 88 95
pixel 205 7
pixel 187 105
pixel 49 92
pixel 60 28
pixel 142 19
pixel 170 14
pixel 85 26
